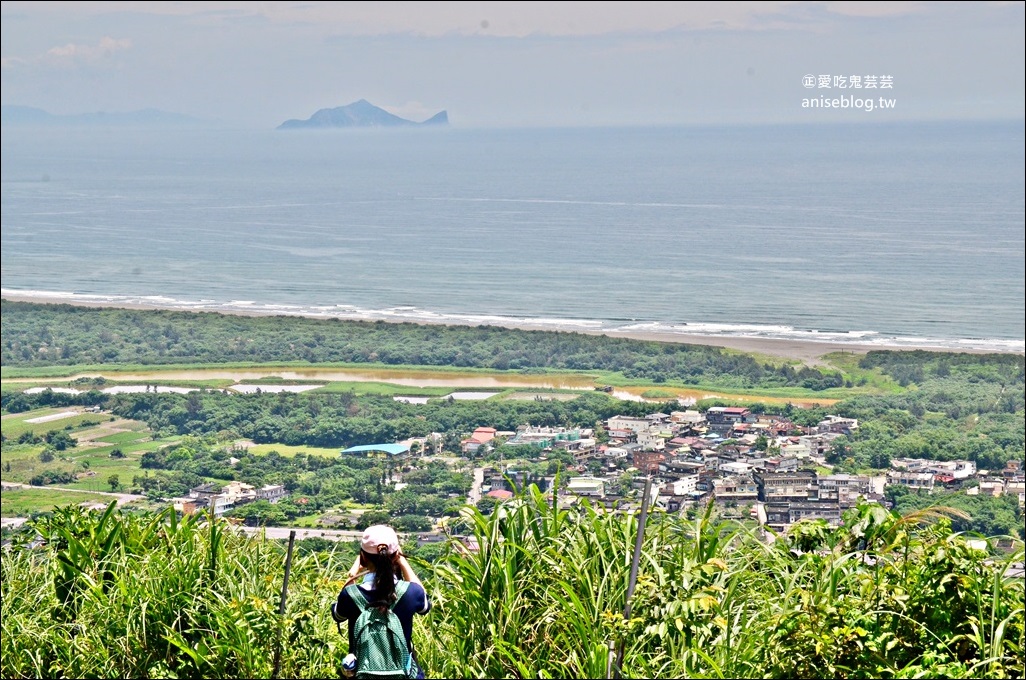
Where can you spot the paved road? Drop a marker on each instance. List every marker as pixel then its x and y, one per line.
pixel 327 534
pixel 475 489
pixel 283 532
pixel 270 532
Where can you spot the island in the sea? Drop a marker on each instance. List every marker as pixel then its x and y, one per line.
pixel 360 114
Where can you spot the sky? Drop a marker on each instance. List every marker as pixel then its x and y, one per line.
pixel 513 64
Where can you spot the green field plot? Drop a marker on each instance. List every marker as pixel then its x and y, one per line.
pixel 90 430
pixel 18 452
pixel 287 451
pixel 143 446
pixel 103 468
pixel 658 394
pixel 24 502
pixel 123 437
pixel 148 445
pixel 542 396
pixel 117 432
pixel 131 449
pixel 14 425
pixel 21 463
pixel 385 389
pixel 99 461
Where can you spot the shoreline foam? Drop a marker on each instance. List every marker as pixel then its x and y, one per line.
pixel 805 346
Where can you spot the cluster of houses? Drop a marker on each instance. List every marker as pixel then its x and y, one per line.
pixel 227 497
pixel 918 473
pixel 763 465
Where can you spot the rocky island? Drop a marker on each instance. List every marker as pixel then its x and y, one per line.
pixel 360 114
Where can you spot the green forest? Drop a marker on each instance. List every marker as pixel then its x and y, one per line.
pixel 65 335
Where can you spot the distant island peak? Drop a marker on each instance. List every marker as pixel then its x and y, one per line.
pixel 360 114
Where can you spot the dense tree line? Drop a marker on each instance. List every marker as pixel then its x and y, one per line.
pixel 47 335
pixel 984 514
pixel 918 366
pixel 964 406
pixel 334 419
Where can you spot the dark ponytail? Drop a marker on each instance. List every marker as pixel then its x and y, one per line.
pixel 383 594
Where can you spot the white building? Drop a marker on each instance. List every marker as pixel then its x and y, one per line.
pixel 837 424
pixel 688 417
pixel 651 441
pixel 988 487
pixel 587 486
pixel 800 450
pixel 271 492
pixel 1017 489
pixel 735 468
pixel 959 469
pixel 635 425
pixel 912 480
pixel 684 485
pixel 846 489
pixel 818 444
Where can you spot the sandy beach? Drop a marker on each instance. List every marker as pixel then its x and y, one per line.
pixel 805 351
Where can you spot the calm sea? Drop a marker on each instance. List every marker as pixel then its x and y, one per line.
pixel 890 234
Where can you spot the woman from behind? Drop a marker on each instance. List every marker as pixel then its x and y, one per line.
pixel 384 580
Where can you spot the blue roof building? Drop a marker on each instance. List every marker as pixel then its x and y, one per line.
pixel 377 449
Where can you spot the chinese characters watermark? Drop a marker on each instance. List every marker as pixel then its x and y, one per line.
pixel 812 81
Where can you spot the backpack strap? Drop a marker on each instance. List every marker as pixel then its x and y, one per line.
pixel 360 600
pixel 400 589
pixel 357 596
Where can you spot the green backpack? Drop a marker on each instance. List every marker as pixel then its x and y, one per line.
pixel 381 650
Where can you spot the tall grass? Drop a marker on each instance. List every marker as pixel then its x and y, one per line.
pixel 885 597
pixel 125 596
pixel 115 595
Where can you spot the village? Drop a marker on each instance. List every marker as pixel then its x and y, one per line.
pixel 748 465
pixel 755 467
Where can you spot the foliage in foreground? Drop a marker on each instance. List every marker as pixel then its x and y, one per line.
pixel 113 595
pixel 118 595
pixel 885 596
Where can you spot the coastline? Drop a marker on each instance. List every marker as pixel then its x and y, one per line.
pixel 809 352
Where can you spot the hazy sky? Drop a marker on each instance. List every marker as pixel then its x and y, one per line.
pixel 256 64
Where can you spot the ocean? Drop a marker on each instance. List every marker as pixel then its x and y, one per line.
pixel 881 234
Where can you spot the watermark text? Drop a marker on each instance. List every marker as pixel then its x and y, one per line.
pixel 852 102
pixel 857 100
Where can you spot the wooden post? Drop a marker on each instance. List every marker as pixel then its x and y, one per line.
pixel 635 561
pixel 281 604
